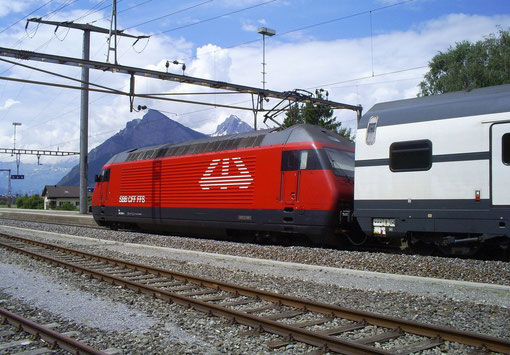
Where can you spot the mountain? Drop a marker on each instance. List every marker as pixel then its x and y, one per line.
pixel 153 129
pixel 231 125
pixel 36 176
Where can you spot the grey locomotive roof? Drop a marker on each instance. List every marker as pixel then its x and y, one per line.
pixel 294 134
pixel 481 101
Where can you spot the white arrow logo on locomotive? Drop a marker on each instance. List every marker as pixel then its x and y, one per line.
pixel 218 174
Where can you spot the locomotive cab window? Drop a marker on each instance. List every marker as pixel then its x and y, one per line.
pixel 411 156
pixel 105 175
pixel 300 160
pixel 505 148
pixel 341 161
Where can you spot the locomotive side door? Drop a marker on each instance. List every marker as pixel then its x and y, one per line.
pixel 500 164
pixel 289 188
pixel 104 184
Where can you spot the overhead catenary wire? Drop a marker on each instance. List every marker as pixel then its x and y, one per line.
pixel 368 77
pixel 358 78
pixel 280 34
pixel 215 17
pixel 118 11
pixel 50 14
pixel 93 10
pixel 240 102
pixel 89 12
pixel 170 14
pixel 24 17
pixel 108 91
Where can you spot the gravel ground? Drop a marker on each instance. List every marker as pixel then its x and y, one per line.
pixel 171 328
pixel 492 272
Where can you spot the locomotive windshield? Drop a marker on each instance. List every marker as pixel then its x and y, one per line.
pixel 104 176
pixel 341 161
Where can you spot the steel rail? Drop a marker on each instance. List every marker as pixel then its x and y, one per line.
pixel 328 342
pixel 298 334
pixel 48 335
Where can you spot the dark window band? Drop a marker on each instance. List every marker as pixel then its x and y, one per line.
pixel 443 158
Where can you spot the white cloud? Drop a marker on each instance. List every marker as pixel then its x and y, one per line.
pixel 50 116
pixel 248 27
pixel 7 7
pixel 8 103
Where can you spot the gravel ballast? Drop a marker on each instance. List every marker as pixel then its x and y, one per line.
pixel 194 333
pixel 492 272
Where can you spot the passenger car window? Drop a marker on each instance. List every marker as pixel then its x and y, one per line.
pixel 505 148
pixel 411 156
pixel 371 129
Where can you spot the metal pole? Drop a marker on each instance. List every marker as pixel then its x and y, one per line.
pixel 84 124
pixel 9 191
pixel 263 61
pixel 114 10
pixel 14 145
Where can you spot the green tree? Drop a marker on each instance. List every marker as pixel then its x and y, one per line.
pixel 319 115
pixel 20 201
pixel 32 202
pixel 67 206
pixel 469 65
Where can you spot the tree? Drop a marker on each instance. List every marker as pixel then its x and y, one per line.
pixel 67 206
pixel 469 65
pixel 32 202
pixel 319 115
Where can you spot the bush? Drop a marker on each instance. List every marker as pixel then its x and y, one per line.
pixel 34 202
pixel 68 206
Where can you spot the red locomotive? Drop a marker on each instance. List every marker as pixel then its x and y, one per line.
pixel 294 182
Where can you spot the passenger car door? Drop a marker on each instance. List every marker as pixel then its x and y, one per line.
pixel 500 164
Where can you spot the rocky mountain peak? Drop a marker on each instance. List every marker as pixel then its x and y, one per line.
pixel 231 125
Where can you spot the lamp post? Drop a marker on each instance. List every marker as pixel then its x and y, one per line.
pixel 264 31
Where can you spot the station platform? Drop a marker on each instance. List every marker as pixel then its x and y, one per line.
pixel 48 216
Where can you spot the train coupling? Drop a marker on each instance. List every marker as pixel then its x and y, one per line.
pixel 346 217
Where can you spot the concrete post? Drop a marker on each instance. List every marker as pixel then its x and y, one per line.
pixel 84 124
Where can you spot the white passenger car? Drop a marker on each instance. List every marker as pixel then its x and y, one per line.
pixel 436 169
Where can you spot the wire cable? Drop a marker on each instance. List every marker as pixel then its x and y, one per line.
pixel 170 14
pixel 118 12
pixel 215 17
pixel 21 19
pixel 304 27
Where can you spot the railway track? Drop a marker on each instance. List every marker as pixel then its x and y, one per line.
pixel 487 253
pixel 23 336
pixel 327 327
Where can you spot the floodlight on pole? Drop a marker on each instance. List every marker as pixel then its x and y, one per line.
pixel 264 31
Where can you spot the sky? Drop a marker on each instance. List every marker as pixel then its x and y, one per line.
pixel 360 52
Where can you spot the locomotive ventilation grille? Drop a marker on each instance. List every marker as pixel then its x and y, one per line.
pixel 215 181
